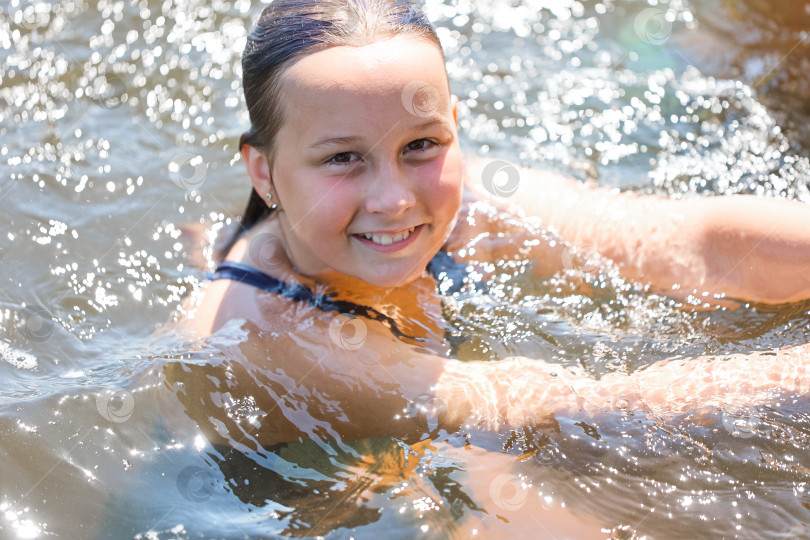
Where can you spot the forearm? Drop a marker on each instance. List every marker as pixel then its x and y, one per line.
pixel 510 392
pixel 515 391
pixel 737 247
pixel 681 385
pixel 721 247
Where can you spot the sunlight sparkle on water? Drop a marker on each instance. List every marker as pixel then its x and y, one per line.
pixel 24 528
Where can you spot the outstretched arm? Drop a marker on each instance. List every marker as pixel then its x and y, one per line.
pixel 740 247
pixel 307 386
pixel 515 389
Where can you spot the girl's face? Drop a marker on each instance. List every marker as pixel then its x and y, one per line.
pixel 367 166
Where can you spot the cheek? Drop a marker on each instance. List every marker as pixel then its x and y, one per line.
pixel 448 185
pixel 323 208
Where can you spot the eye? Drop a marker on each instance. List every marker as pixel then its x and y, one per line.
pixel 343 158
pixel 419 145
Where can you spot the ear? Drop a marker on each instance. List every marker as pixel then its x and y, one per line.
pixel 258 168
pixel 454 105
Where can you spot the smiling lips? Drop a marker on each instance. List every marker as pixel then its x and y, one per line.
pixel 389 241
pixel 385 239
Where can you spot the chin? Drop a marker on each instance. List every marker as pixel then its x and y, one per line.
pixel 388 283
pixel 394 279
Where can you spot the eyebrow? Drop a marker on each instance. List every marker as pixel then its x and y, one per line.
pixel 327 141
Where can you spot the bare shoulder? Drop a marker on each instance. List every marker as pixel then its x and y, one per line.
pixel 216 303
pixel 221 300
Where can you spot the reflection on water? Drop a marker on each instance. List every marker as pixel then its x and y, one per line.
pixel 770 49
pixel 118 128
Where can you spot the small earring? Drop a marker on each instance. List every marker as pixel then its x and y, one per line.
pixel 269 197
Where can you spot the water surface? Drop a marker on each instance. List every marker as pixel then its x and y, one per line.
pixel 119 122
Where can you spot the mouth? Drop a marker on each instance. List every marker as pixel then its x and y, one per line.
pixel 389 241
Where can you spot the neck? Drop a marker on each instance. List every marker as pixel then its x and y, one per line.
pixel 415 305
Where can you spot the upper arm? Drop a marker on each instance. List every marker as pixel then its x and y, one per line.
pixel 307 382
pixel 741 247
pixel 651 239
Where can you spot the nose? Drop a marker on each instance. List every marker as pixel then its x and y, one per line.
pixel 390 190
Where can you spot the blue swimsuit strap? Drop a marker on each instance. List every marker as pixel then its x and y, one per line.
pixel 441 267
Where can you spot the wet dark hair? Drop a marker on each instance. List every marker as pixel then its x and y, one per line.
pixel 289 29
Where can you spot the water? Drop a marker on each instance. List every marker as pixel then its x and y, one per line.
pixel 118 127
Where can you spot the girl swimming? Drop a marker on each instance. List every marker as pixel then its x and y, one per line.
pixel 330 305
pixel 363 215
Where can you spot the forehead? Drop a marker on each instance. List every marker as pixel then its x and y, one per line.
pixel 372 74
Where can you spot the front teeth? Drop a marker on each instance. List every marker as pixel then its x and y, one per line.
pixel 385 239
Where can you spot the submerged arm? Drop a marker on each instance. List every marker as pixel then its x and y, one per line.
pixel 512 390
pixel 310 388
pixel 740 247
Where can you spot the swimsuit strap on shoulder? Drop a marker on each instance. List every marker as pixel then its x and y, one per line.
pixel 248 275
